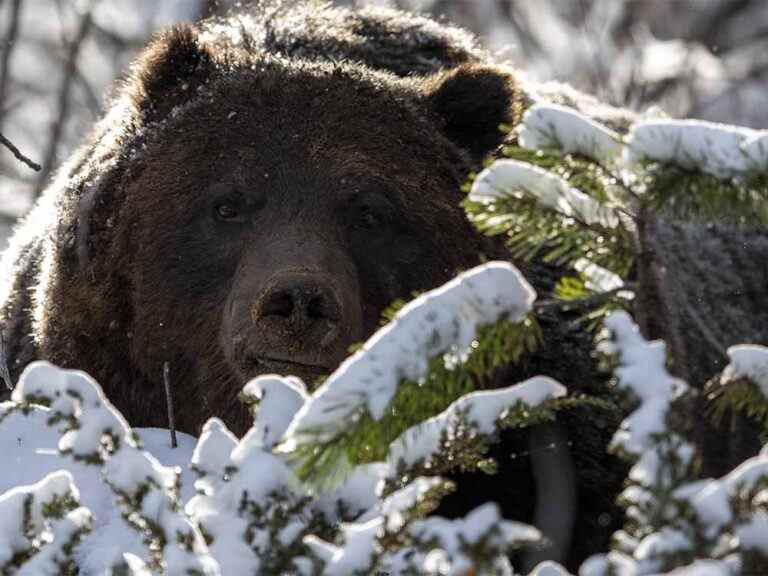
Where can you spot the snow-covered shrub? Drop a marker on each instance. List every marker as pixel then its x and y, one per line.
pixel 249 504
pixel 585 196
pixel 572 189
pixel 93 432
pixel 41 525
pixel 675 520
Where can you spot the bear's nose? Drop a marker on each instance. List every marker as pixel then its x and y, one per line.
pixel 300 302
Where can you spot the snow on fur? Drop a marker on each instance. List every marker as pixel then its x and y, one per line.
pixel 440 321
pixel 551 126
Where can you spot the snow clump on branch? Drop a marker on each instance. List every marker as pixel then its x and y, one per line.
pixel 94 432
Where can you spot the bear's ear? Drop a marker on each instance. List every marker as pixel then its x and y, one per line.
pixel 473 101
pixel 169 71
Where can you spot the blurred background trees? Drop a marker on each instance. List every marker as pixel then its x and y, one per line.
pixel 695 58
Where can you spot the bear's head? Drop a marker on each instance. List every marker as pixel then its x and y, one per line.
pixel 263 211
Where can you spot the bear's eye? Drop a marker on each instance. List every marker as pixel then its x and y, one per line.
pixel 228 212
pixel 370 211
pixel 367 218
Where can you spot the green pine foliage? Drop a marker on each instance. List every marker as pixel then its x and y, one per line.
pixel 448 378
pixel 535 231
pixel 697 197
pixel 740 396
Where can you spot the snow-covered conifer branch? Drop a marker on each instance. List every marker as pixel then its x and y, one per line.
pixel 642 372
pixel 675 521
pixel 748 361
pixel 743 384
pixel 549 126
pixel 655 538
pixel 434 351
pixel 249 504
pixel 717 149
pixel 41 525
pixel 92 431
pixel 443 442
pixel 532 232
pixel 506 178
pixel 392 541
pixel 479 543
pixel 572 191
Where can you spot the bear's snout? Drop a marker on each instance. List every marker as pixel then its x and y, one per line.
pixel 296 322
pixel 301 305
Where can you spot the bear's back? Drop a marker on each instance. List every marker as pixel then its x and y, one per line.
pixel 382 39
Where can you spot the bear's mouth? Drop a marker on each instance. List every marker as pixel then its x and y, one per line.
pixel 265 364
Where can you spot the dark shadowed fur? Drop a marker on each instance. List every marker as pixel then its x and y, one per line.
pixel 314 154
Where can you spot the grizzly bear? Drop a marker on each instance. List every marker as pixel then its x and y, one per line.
pixel 261 188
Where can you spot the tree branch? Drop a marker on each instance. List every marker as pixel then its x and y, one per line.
pixel 64 100
pixel 169 402
pixel 9 42
pixel 8 144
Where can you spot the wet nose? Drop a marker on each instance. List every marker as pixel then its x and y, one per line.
pixel 299 302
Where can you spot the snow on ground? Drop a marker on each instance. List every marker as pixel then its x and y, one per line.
pixel 28 446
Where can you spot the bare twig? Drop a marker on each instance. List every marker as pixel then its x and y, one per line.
pixel 63 99
pixel 91 99
pixel 169 401
pixel 5 374
pixel 8 144
pixel 9 42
